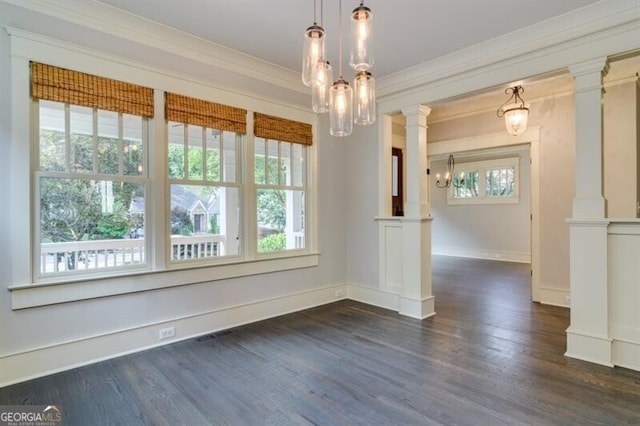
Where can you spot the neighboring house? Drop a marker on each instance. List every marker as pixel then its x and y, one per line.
pixel 200 211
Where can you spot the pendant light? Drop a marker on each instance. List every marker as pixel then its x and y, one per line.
pixel 313 50
pixel 340 97
pixel 320 87
pixel 516 113
pixel 365 99
pixel 361 57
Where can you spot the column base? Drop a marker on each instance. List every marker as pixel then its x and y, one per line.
pixel 416 308
pixel 596 349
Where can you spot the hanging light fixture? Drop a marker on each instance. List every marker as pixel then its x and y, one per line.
pixel 313 50
pixel 322 77
pixel 340 96
pixel 515 111
pixel 320 87
pixel 361 58
pixel 449 175
pixel 365 101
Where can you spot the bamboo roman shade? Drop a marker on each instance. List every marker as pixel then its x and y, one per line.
pixel 269 127
pixel 184 109
pixel 73 87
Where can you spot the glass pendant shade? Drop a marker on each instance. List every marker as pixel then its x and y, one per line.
pixel 361 39
pixel 313 51
pixel 321 86
pixel 365 99
pixel 516 117
pixel 340 108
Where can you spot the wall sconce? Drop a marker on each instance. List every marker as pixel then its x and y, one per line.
pixel 515 111
pixel 448 177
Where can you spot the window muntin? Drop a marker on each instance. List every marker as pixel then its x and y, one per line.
pixel 279 174
pixel 205 214
pixel 90 173
pixel 486 182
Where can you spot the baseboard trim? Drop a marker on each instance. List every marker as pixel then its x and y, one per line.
pixel 586 347
pixel 38 362
pixel 374 296
pixel 503 256
pixel 626 354
pixel 554 296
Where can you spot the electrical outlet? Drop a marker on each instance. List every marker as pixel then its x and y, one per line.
pixel 339 292
pixel 567 299
pixel 166 333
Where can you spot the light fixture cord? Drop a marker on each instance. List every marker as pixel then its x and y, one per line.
pixel 340 33
pixel 315 21
pixel 321 13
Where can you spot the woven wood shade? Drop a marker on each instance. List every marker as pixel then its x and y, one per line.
pixel 184 109
pixel 269 127
pixel 73 87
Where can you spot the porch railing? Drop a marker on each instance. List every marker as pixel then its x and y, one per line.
pixel 103 254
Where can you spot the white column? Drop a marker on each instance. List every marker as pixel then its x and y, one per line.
pixel 416 299
pixel 588 334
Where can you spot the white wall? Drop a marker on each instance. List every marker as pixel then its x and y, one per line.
pixel 490 231
pixel 361 186
pixel 43 339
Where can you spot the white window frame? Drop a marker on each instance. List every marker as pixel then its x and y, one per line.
pixel 26 291
pixel 237 183
pixel 38 174
pixel 291 187
pixel 482 166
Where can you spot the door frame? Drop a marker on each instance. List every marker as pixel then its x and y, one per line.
pixel 441 149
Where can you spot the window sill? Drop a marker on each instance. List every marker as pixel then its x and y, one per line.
pixel 482 200
pixel 33 295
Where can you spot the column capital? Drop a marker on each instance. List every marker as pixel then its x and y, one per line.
pixel 420 110
pixel 599 65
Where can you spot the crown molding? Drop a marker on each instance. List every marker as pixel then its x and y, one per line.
pixel 529 46
pixel 109 20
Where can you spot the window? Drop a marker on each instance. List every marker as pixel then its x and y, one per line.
pixel 485 182
pixel 205 192
pixel 204 142
pixel 280 194
pixel 108 202
pixel 280 179
pixel 91 169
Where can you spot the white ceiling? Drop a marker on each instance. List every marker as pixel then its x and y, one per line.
pixel 407 32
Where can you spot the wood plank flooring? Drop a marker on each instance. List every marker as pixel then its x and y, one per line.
pixel 489 357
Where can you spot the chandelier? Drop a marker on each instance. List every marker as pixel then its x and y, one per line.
pixel 337 97
pixel 515 111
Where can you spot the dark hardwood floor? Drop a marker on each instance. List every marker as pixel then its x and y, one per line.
pixel 489 357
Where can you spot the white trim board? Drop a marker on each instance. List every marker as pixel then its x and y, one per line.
pixel 38 362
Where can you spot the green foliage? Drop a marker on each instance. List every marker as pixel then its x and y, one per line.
pixel 70 209
pixel 273 242
pixel 176 163
pixel 115 225
pixel 272 210
pixel 181 222
pixel 213 225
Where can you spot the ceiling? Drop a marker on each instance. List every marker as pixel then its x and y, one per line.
pixel 407 32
